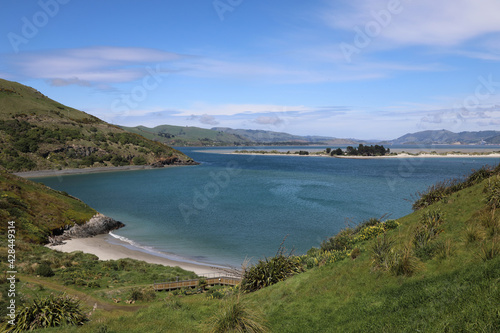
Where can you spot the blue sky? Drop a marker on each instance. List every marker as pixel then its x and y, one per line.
pixel 362 69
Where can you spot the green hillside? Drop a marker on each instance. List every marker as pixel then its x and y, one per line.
pixel 435 270
pixel 223 136
pixel 188 136
pixel 36 209
pixel 37 133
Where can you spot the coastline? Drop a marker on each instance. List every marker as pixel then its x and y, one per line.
pixel 64 172
pixel 105 250
pixel 426 155
pixel 397 154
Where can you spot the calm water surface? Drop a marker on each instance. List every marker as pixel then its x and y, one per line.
pixel 237 206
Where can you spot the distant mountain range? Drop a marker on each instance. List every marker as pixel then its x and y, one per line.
pixel 447 137
pixel 224 136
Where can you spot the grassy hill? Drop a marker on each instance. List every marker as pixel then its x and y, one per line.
pixel 37 133
pixel 447 137
pixel 435 270
pixel 188 136
pixel 223 136
pixel 36 209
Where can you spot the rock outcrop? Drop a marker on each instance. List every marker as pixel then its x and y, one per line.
pixel 98 224
pixel 173 160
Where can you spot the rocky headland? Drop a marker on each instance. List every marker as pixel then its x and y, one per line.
pixel 98 224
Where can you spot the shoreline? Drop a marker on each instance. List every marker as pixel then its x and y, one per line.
pixel 64 172
pixel 402 154
pixel 118 249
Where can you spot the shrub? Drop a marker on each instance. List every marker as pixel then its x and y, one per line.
pixel 271 270
pixel 119 161
pixel 381 252
pixel 391 224
pixel 489 250
pixel 45 270
pixel 145 294
pixel 427 230
pixel 355 253
pixel 493 193
pixel 403 262
pixel 139 160
pixel 49 312
pixel 473 233
pixel 342 241
pixel 235 317
pixel 370 232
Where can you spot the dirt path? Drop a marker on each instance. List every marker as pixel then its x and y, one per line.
pixel 85 298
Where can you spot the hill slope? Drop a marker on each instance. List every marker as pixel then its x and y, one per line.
pixel 37 210
pixel 224 136
pixel 37 133
pixel 188 136
pixel 447 137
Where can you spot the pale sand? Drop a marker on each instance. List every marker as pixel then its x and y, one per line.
pixel 80 171
pixel 104 250
pixel 425 155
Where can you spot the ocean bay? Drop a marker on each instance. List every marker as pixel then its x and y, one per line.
pixel 236 206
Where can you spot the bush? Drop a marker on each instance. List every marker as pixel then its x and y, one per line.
pixel 45 270
pixel 381 252
pixel 404 262
pixel 235 317
pixel 49 312
pixel 271 270
pixel 342 241
pixel 145 294
pixel 119 161
pixel 493 193
pixel 139 160
pixel 427 230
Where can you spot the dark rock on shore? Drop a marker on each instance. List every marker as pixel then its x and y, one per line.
pixel 98 224
pixel 173 160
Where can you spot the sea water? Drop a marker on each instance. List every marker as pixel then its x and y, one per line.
pixel 233 207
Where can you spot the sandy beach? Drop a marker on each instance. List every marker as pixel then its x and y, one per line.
pixel 427 155
pixel 80 171
pixel 104 250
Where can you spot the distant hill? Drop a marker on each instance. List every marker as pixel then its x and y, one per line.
pixel 447 137
pixel 224 136
pixel 261 136
pixel 495 140
pixel 188 136
pixel 38 133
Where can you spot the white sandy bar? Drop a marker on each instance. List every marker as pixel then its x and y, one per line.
pixel 104 250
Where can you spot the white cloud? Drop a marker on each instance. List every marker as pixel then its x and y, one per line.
pixel 422 22
pixel 204 119
pixel 85 66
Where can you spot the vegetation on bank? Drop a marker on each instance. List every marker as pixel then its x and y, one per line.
pixel 37 210
pixel 37 133
pixel 435 270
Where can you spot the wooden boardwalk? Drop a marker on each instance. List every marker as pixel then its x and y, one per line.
pixel 193 283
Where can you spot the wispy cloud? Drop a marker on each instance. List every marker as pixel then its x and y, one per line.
pixel 204 119
pixel 87 66
pixel 423 22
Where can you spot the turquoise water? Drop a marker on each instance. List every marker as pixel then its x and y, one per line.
pixel 237 206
